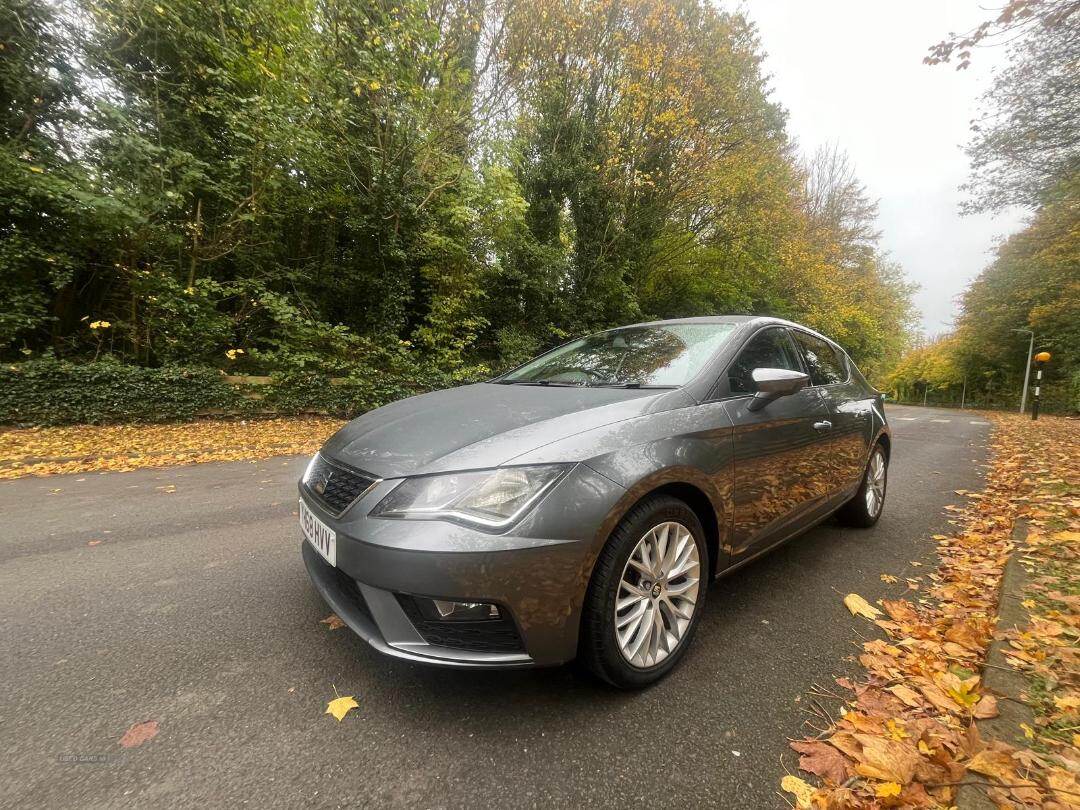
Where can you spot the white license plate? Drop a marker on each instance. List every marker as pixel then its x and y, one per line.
pixel 321 536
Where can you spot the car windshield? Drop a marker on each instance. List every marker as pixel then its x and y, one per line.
pixel 665 356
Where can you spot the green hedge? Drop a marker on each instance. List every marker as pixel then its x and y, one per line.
pixel 56 392
pixel 344 397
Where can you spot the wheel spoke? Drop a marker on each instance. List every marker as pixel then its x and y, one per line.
pixel 657 635
pixel 686 562
pixel 644 552
pixel 683 587
pixel 640 566
pixel 655 554
pixel 675 549
pixel 633 616
pixel 633 627
pixel 643 637
pixel 633 589
pixel 677 611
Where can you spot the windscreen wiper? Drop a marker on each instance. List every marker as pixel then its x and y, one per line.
pixel 630 385
pixel 544 383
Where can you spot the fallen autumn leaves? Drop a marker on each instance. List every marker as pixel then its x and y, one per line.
pixel 100 448
pixel 905 736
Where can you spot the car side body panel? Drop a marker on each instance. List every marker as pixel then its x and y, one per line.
pixel 782 469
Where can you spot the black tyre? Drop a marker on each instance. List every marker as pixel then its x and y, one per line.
pixel 646 595
pixel 864 509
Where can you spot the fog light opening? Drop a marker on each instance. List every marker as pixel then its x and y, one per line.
pixel 448 611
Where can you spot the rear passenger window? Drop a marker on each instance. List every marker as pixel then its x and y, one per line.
pixel 823 362
pixel 768 349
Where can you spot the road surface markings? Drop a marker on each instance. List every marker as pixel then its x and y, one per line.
pixel 905 418
pixel 976 422
pixel 941 421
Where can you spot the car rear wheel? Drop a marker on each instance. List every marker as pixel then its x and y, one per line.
pixel 646 594
pixel 864 509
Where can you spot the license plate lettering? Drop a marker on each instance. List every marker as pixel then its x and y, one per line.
pixel 321 536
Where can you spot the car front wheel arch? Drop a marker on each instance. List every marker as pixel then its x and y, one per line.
pixel 886 445
pixel 697 500
pixel 694 497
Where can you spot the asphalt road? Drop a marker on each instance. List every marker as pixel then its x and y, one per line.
pixel 195 611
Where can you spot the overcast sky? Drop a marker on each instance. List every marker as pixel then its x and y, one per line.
pixel 850 72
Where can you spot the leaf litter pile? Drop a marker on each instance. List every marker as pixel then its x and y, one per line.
pixel 114 448
pixel 905 733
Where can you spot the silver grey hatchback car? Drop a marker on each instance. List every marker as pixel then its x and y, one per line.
pixel 580 505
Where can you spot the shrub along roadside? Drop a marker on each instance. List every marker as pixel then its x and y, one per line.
pixel 55 392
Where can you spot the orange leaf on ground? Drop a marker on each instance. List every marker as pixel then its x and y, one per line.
pixel 1065 786
pixel 801 790
pixel 333 622
pixel 139 733
pixel 887 790
pixel 986 707
pixel 908 695
pixel 339 707
pixel 821 759
pixel 860 607
pixel 886 759
pixel 900 610
pixel 932 692
pixel 970 634
pixel 994 762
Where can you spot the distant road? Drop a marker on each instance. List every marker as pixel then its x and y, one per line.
pixel 195 611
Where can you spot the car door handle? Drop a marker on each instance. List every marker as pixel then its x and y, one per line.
pixel 824 424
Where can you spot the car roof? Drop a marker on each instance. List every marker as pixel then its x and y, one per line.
pixel 740 320
pixel 734 319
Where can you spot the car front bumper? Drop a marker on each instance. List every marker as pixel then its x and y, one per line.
pixel 537 574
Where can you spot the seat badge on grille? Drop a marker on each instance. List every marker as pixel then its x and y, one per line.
pixel 321 480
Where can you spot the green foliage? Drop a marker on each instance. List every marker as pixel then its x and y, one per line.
pixel 48 391
pixel 345 397
pixel 51 392
pixel 1033 283
pixel 424 190
pixel 937 365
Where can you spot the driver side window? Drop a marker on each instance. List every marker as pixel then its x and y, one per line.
pixel 771 348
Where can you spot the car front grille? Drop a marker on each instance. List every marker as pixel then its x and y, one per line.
pixel 492 635
pixel 336 486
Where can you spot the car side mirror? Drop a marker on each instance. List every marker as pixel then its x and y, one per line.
pixel 773 383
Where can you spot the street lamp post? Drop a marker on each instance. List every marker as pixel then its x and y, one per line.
pixel 1027 368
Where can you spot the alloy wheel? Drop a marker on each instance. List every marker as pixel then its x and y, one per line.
pixel 875 483
pixel 657 594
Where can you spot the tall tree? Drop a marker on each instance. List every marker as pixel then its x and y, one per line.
pixel 46 212
pixel 1027 134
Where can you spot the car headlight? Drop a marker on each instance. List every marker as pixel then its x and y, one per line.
pixel 490 499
